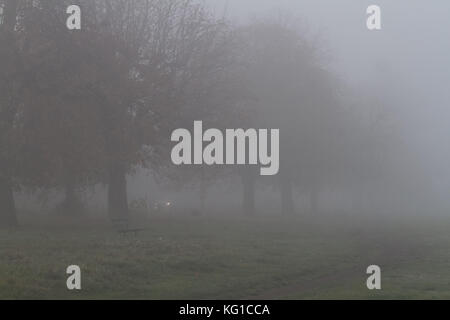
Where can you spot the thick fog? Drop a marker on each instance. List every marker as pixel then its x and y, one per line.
pixel 408 58
pixel 413 46
pixel 404 66
pixel 407 61
pixel 224 149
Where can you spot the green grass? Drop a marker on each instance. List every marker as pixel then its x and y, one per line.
pixel 212 258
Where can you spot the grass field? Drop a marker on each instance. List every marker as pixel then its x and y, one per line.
pixel 219 258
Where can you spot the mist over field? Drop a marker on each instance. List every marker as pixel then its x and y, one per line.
pixel 88 142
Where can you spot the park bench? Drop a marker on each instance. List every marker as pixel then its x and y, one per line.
pixel 122 226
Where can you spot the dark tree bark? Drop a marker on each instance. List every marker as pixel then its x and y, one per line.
pixel 10 14
pixel 72 204
pixel 203 191
pixel 248 200
pixel 314 199
pixel 8 216
pixel 117 197
pixel 117 192
pixel 287 201
pixel 357 200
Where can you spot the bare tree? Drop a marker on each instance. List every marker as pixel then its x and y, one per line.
pixel 8 111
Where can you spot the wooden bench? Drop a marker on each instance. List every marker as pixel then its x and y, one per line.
pixel 122 226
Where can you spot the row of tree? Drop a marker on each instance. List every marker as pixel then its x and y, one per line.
pixel 88 106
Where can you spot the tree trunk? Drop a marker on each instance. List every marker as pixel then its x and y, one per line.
pixel 202 196
pixel 72 204
pixel 117 192
pixel 287 201
pixel 314 199
pixel 8 216
pixel 10 14
pixel 357 200
pixel 7 205
pixel 248 201
pixel 203 190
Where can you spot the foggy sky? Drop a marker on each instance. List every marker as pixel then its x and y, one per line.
pixel 413 45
